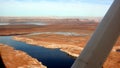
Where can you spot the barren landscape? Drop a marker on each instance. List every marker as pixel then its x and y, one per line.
pixel 69 35
pixel 17 59
pixel 71 45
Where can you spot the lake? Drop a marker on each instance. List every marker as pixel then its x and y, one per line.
pixel 24 23
pixel 52 58
pixel 60 33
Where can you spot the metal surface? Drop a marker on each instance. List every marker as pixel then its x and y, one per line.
pixel 102 41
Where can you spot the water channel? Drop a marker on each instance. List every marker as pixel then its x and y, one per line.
pixel 52 58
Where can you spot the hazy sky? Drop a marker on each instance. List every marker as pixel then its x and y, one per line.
pixel 54 7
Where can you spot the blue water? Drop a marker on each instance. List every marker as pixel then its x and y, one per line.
pixel 24 23
pixel 52 58
pixel 61 33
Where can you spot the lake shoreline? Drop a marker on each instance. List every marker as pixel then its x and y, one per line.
pixel 63 47
pixel 69 49
pixel 16 58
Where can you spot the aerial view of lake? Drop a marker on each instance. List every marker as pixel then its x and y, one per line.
pixel 52 58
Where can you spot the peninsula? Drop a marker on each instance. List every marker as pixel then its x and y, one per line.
pixel 11 58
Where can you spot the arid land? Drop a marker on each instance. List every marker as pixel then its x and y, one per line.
pixel 52 25
pixel 73 43
pixel 17 59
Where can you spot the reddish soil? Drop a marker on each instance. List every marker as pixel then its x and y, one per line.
pixel 74 25
pixel 65 42
pixel 17 59
pixel 87 27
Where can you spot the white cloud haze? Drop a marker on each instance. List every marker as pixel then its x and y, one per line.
pixel 52 8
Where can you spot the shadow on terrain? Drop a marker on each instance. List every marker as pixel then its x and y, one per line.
pixel 1 63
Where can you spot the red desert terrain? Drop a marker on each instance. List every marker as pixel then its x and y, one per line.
pixel 70 35
pixel 18 59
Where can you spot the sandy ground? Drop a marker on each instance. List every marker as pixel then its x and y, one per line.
pixel 17 59
pixel 72 45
